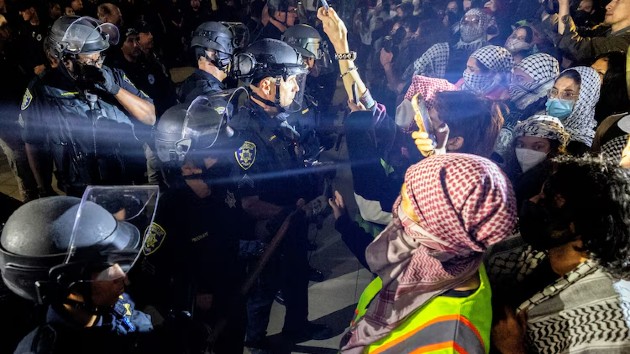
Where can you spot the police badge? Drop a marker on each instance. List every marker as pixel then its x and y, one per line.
pixel 155 236
pixel 26 99
pixel 246 155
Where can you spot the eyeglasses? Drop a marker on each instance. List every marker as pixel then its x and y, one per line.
pixel 94 61
pixel 474 19
pixel 564 95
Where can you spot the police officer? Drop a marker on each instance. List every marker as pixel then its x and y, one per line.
pixel 190 261
pixel 213 44
pixel 31 33
pixel 82 113
pixel 270 169
pixel 282 15
pixel 314 51
pixel 80 277
pixel 147 73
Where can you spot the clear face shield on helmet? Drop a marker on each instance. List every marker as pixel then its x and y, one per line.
pixel 87 35
pixel 323 59
pixel 318 59
pixel 206 117
pixel 111 229
pixel 290 89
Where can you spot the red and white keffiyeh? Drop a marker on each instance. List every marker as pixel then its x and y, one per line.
pixel 464 204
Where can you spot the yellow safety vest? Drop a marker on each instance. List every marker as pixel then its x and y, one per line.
pixel 445 324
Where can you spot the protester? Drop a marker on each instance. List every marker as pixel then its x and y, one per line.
pixel 83 123
pixel 537 140
pixel 561 290
pixel 428 261
pixel 581 46
pixel 572 100
pixel 488 72
pixel 446 60
pixel 613 98
pixel 531 81
pixel 520 43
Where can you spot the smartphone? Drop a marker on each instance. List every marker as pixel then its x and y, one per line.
pixel 325 4
pixel 421 115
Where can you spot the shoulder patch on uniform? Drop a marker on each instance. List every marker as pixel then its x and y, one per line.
pixel 26 99
pixel 155 237
pixel 126 79
pixel 246 155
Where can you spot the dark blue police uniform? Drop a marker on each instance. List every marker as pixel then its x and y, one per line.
pixel 88 146
pixel 271 167
pixel 114 332
pixel 197 84
pixel 191 249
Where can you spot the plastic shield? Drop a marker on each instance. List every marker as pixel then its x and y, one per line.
pixel 293 82
pixel 88 35
pixel 210 114
pixel 111 228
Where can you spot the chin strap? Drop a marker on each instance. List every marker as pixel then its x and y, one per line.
pixel 275 104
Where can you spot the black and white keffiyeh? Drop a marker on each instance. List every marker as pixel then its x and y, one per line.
pixel 433 62
pixel 581 123
pixel 584 311
pixel 499 62
pixel 543 69
pixel 472 31
pixel 542 126
pixel 613 148
pixel 473 36
pixel 496 59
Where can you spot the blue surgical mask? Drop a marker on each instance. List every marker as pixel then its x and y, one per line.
pixel 559 108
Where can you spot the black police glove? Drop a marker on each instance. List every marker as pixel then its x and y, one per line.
pixel 107 83
pixel 99 78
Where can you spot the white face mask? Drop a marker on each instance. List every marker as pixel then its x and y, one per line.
pixel 529 158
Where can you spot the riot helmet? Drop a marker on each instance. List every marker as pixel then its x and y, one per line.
pixel 309 43
pixel 216 37
pixel 306 37
pixel 289 7
pixel 195 132
pixel 280 5
pixel 185 130
pixel 278 60
pixel 52 246
pixel 72 35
